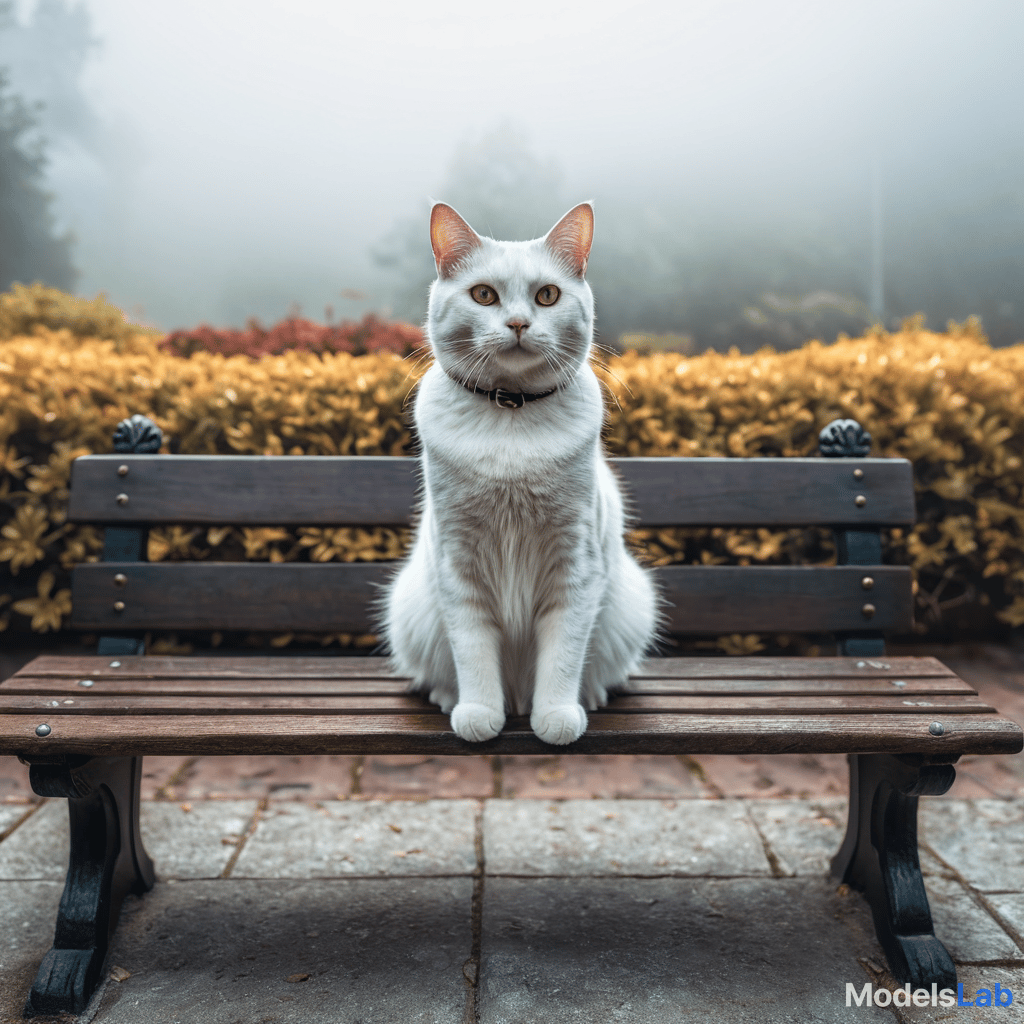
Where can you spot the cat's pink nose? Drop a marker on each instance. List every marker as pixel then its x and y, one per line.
pixel 518 326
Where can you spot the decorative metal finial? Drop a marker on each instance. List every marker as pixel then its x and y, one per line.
pixel 138 435
pixel 844 439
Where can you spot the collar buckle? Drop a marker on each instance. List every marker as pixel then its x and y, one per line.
pixel 508 399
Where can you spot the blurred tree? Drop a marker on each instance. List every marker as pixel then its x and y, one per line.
pixel 678 259
pixel 499 185
pixel 29 248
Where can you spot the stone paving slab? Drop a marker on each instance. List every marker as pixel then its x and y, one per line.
pixel 973 979
pixel 621 837
pixel 27 913
pixel 197 843
pixel 11 815
pixel 349 837
pixel 349 951
pixel 410 776
pixel 983 840
pixel 194 843
pixel 966 928
pixel 803 835
pixel 1010 908
pixel 38 848
pixel 653 951
pixel 607 776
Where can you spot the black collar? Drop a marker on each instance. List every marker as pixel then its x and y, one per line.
pixel 508 399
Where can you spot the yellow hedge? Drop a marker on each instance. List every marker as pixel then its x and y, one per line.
pixel 948 402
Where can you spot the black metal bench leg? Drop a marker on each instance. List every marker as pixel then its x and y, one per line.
pixel 879 857
pixel 107 862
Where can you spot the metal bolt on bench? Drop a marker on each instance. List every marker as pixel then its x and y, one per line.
pixel 862 703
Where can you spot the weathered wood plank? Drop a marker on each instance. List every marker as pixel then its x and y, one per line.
pixel 244 489
pixel 329 598
pixel 198 686
pixel 343 490
pixel 403 704
pixel 775 598
pixel 338 597
pixel 608 733
pixel 288 667
pixel 768 492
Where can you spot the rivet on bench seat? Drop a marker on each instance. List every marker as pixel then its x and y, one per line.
pixel 115 664
pixel 860 501
pixel 43 730
pixel 86 682
pixel 119 606
pixel 867 583
pixel 868 610
pixel 858 474
pixel 937 729
pixel 898 682
pixel 120 580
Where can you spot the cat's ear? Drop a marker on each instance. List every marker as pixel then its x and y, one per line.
pixel 571 237
pixel 451 237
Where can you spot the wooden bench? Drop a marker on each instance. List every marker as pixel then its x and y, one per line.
pixel 83 724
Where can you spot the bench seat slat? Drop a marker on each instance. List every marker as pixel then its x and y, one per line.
pixel 200 687
pixel 335 597
pixel 404 704
pixel 353 490
pixel 231 667
pixel 609 733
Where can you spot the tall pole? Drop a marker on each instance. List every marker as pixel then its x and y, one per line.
pixel 876 298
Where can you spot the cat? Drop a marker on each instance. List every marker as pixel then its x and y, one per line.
pixel 518 595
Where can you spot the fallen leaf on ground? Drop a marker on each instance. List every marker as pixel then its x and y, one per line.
pixel 297 977
pixel 119 974
pixel 395 828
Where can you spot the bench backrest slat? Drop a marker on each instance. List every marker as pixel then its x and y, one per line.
pixel 343 490
pixel 338 597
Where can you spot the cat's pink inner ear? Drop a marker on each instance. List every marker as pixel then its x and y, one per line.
pixel 571 237
pixel 451 237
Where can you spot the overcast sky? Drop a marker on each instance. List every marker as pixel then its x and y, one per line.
pixel 256 144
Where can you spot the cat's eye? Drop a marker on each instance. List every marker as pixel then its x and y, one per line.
pixel 548 295
pixel 484 294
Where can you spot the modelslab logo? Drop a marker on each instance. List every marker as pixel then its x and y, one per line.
pixel 869 995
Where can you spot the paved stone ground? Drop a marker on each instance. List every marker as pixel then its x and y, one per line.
pixel 512 911
pixel 643 889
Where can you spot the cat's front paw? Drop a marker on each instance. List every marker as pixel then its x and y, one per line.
pixel 559 725
pixel 476 722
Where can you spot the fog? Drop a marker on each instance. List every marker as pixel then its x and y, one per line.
pixel 762 170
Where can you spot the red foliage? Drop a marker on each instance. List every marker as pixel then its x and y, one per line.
pixel 371 334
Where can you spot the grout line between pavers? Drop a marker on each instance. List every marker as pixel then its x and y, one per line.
pixel 1004 962
pixel 770 854
pixel 164 792
pixel 881 977
pixel 497 777
pixel 21 821
pixel 696 769
pixel 471 968
pixel 257 816
pixel 977 897
pixel 355 777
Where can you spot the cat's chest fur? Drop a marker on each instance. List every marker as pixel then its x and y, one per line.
pixel 513 497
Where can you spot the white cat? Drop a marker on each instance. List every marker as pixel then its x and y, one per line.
pixel 519 594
